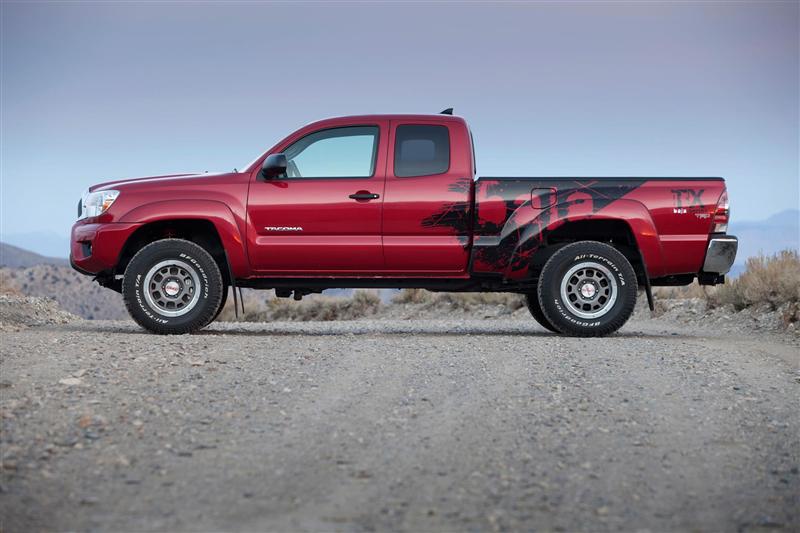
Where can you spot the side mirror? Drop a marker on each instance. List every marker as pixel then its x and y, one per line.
pixel 274 166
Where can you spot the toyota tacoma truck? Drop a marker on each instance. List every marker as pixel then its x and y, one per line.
pixel 393 201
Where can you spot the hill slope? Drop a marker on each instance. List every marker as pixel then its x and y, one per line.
pixel 74 292
pixel 779 232
pixel 46 243
pixel 15 257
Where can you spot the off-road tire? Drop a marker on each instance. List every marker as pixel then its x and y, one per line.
pixel 605 263
pixel 532 301
pixel 205 281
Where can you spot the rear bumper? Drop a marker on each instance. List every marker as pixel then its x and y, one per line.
pixel 720 254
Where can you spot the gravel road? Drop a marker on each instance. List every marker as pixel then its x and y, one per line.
pixel 398 425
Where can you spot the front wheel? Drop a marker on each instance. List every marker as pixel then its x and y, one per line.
pixel 172 286
pixel 587 289
pixel 222 302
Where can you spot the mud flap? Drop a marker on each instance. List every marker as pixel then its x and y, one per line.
pixel 233 287
pixel 648 290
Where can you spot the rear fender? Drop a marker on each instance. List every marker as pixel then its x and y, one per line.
pixel 219 214
pixel 525 232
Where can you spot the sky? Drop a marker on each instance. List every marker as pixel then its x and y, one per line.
pixel 98 91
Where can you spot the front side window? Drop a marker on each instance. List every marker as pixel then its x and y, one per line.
pixel 348 152
pixel 421 150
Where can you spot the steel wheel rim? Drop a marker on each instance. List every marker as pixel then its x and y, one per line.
pixel 172 288
pixel 589 290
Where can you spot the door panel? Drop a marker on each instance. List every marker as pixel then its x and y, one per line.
pixel 427 219
pixel 310 225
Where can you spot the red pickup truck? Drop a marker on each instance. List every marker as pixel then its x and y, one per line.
pixel 392 201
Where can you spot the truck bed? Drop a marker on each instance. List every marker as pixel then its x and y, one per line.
pixel 669 218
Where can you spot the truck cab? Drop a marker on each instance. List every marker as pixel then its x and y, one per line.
pixel 357 197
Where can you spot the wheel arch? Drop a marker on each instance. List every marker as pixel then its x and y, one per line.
pixel 625 224
pixel 209 224
pixel 615 232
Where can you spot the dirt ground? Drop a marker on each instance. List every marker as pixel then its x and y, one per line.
pixel 411 425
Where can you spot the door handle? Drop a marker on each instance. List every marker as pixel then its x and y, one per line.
pixel 364 196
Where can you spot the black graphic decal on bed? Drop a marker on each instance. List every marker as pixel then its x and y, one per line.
pixel 505 243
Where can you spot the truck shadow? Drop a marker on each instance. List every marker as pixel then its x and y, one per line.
pixel 420 332
pixel 355 328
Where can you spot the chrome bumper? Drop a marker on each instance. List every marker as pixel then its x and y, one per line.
pixel 720 254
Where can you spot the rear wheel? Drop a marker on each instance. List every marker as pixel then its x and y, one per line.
pixel 532 301
pixel 172 286
pixel 587 289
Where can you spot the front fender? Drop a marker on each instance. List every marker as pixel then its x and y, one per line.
pixel 226 223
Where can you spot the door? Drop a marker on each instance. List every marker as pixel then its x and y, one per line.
pixel 427 214
pixel 324 214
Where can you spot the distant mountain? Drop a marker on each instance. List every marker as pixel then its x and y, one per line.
pixel 779 232
pixel 46 243
pixel 14 257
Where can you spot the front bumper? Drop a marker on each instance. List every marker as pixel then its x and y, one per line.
pixel 720 254
pixel 95 248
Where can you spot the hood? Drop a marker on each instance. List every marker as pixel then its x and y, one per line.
pixel 167 180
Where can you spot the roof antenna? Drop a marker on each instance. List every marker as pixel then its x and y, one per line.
pixel 448 111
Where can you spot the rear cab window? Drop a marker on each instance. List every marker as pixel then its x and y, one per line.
pixel 421 150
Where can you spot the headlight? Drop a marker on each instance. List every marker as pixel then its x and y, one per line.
pixel 94 204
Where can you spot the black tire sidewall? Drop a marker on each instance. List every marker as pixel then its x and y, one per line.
pixel 550 289
pixel 532 302
pixel 223 300
pixel 211 286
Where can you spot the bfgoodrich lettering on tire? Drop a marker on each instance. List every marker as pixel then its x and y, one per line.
pixel 587 289
pixel 172 286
